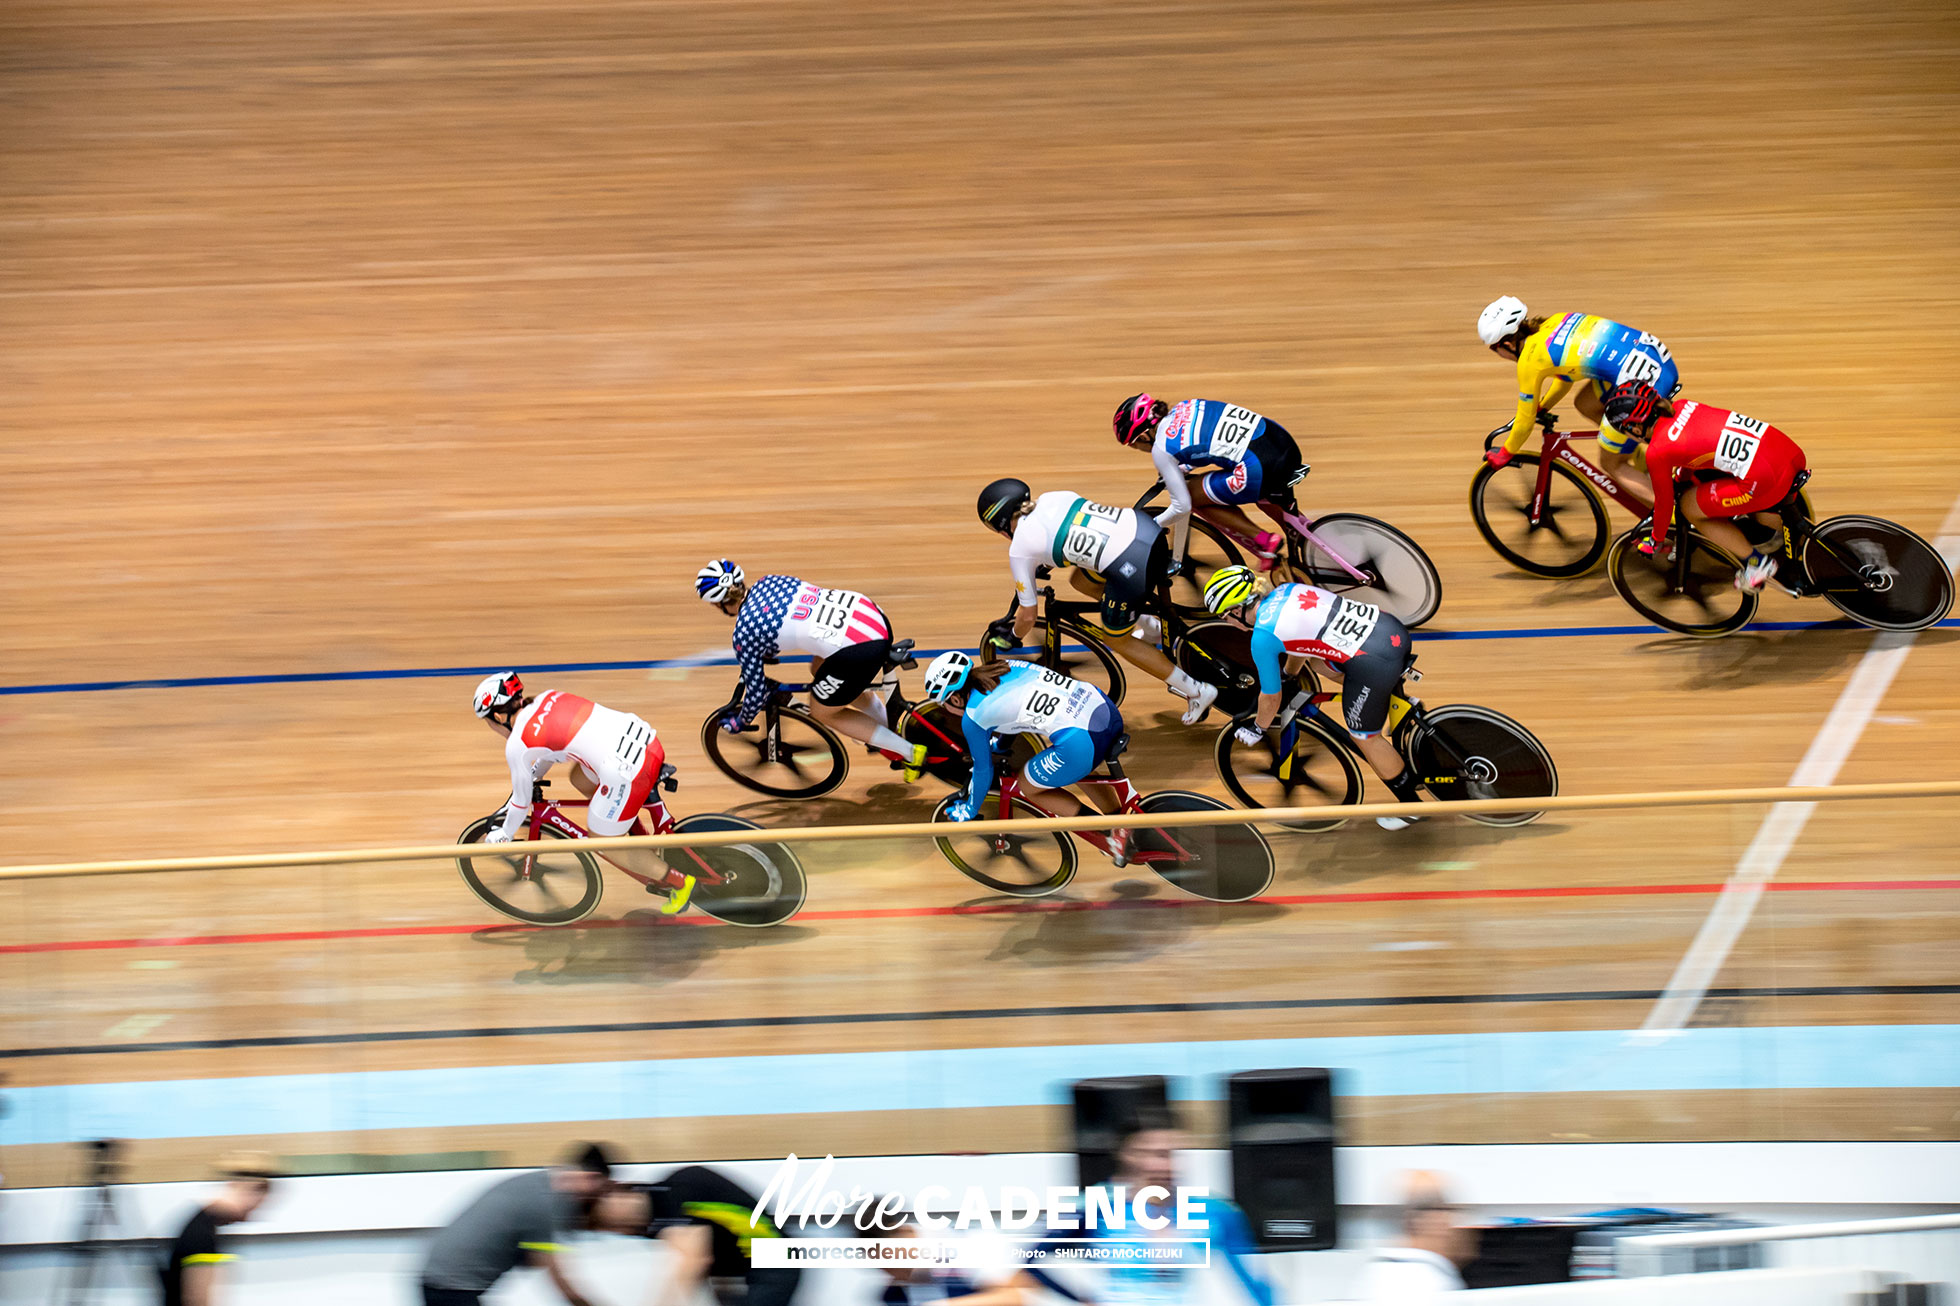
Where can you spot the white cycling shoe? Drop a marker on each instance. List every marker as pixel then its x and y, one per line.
pixel 1199 703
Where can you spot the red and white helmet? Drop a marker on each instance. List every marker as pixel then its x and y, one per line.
pixel 496 692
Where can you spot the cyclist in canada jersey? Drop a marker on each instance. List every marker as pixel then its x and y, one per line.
pixel 618 760
pixel 1370 648
pixel 845 634
pixel 1255 458
pixel 1737 466
pixel 1076 720
pixel 1575 352
pixel 1120 557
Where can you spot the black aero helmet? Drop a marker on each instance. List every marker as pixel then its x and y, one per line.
pixel 1001 500
pixel 1632 408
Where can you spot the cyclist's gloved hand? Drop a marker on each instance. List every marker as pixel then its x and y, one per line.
pixel 733 725
pixel 498 835
pixel 1498 457
pixel 960 809
pixel 1250 735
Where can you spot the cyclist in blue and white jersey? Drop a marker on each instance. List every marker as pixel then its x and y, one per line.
pixel 1218 454
pixel 845 634
pixel 1076 720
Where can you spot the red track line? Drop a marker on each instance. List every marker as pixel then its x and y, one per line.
pixel 1003 909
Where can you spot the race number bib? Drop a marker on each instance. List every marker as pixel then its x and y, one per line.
pixel 825 609
pixel 1348 629
pixel 1090 529
pixel 1741 437
pixel 1233 434
pixel 1053 696
pixel 1638 367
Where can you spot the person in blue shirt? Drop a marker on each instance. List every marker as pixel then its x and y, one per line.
pixel 1078 722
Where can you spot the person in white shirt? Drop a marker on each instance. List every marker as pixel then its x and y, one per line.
pixel 1434 1244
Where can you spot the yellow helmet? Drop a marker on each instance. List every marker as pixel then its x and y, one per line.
pixel 1229 588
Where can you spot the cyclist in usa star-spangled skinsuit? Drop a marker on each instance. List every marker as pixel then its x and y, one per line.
pixel 845 634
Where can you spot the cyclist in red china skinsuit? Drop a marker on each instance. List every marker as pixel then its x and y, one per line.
pixel 1740 466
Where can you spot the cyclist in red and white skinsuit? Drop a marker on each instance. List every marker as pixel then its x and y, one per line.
pixel 619 758
pixel 1740 466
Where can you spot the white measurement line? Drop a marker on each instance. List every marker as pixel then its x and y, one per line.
pixel 1785 822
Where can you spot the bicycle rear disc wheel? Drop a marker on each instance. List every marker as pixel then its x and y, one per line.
pixel 762 883
pixel 1222 863
pixel 1463 752
pixel 1081 655
pixel 1304 765
pixel 1706 606
pixel 1021 865
pixel 545 888
pixel 1878 573
pixel 1206 549
pixel 1220 653
pixel 1402 580
pixel 1569 537
pixel 801 758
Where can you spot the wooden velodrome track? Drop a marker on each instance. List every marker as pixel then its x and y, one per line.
pixel 379 335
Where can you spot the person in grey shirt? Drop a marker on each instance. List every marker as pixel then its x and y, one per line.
pixel 521 1219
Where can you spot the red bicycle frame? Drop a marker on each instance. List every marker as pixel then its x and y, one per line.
pixel 1557 447
pixel 1131 805
pixel 550 812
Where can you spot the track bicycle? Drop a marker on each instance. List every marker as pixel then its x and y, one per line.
pixel 1067 639
pixel 1874 571
pixel 1459 751
pixel 753 884
pixel 787 753
pixel 1359 557
pixel 1222 863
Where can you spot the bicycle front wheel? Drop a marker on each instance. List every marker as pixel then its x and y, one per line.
pixel 752 884
pixel 1702 601
pixel 1464 752
pixel 1223 863
pixel 538 888
pixel 1023 865
pixel 785 754
pixel 1570 535
pixel 1304 765
pixel 1401 580
pixel 1078 653
pixel 1878 573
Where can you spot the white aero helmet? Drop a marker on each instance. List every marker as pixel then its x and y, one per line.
pixel 496 691
pixel 1499 320
pixel 714 581
pixel 947 675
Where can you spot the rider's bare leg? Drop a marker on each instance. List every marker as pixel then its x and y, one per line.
pixel 640 861
pixel 1381 754
pixel 1057 802
pixel 864 721
pixel 1146 657
pixel 1587 399
pixel 1626 475
pixel 1224 515
pixel 1719 530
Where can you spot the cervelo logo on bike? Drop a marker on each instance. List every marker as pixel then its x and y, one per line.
pixel 1593 474
pixel 1010 1208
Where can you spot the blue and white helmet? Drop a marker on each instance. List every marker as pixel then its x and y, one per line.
pixel 714 581
pixel 947 675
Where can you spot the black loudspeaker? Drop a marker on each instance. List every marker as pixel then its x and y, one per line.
pixel 1282 1135
pixel 1104 1110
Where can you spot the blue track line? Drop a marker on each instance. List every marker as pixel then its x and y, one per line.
pixel 678 664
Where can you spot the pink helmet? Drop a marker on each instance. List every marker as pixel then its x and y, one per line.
pixel 1135 416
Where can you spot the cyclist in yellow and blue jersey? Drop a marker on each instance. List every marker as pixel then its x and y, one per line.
pixel 1581 353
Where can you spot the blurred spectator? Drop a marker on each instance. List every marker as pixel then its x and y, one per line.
pixel 703 1219
pixel 520 1219
pixel 1146 1156
pixel 190 1264
pixel 1434 1244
